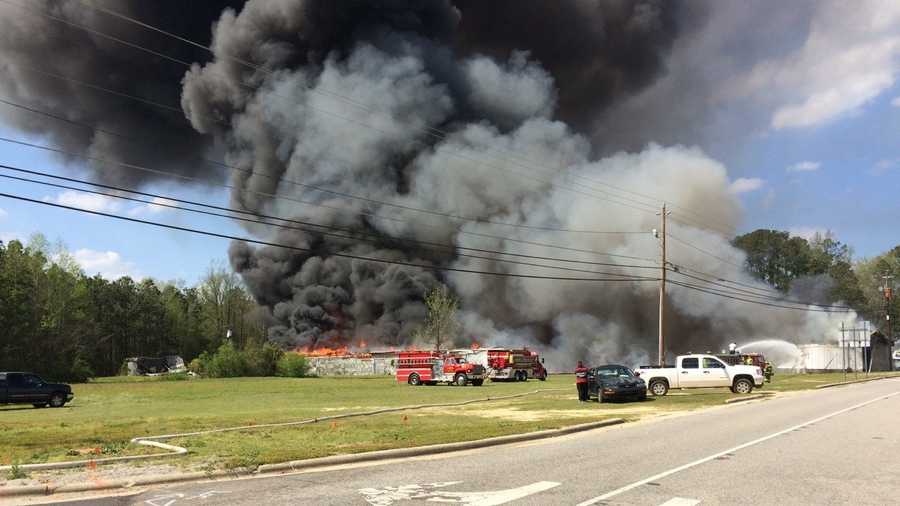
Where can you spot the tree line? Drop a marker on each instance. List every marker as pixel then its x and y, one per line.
pixel 59 322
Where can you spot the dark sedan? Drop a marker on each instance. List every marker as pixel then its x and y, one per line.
pixel 609 382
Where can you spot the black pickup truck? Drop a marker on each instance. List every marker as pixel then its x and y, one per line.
pixel 27 388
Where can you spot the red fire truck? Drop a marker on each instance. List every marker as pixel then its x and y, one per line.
pixel 508 364
pixel 433 367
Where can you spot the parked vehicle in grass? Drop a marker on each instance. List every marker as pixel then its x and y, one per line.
pixel 609 382
pixel 27 388
pixel 701 371
pixel 433 367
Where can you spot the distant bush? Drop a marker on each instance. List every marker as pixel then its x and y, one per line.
pixel 292 365
pixel 262 360
pixel 230 362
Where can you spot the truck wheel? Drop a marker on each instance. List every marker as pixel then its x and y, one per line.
pixel 659 388
pixel 414 380
pixel 743 386
pixel 57 401
pixel 40 405
pixel 543 377
pixel 460 380
pixel 478 383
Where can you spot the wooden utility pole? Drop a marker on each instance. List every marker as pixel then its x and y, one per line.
pixel 888 290
pixel 662 291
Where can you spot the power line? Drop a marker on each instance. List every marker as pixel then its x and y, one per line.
pixel 306 250
pixel 378 239
pixel 737 284
pixel 430 130
pixel 455 152
pixel 309 203
pixel 326 190
pixel 747 293
pixel 705 252
pixel 433 131
pixel 718 293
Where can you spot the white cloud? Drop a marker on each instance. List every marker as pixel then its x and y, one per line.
pixel 806 166
pixel 151 208
pixel 883 166
pixel 808 232
pixel 88 201
pixel 850 56
pixel 3 213
pixel 745 185
pixel 896 102
pixel 108 264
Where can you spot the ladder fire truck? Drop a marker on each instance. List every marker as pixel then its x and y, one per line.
pixel 508 363
pixel 433 367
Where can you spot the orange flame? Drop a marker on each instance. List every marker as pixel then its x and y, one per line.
pixel 323 351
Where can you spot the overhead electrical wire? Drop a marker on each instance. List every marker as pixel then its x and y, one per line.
pixel 747 293
pixel 320 189
pixel 307 250
pixel 679 267
pixel 718 293
pixel 355 237
pixel 705 252
pixel 434 131
pixel 309 203
pixel 691 222
pixel 454 152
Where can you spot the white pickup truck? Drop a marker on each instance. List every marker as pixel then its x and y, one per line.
pixel 701 371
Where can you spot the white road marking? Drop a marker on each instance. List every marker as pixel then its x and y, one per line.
pixel 389 495
pixel 704 460
pixel 680 501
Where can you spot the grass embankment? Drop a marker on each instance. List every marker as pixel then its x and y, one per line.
pixel 107 413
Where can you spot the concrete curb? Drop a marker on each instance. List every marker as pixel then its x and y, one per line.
pixel 865 380
pixel 749 397
pixel 433 449
pixel 178 450
pixel 296 465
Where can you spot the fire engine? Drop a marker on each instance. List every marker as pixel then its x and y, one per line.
pixel 433 367
pixel 508 364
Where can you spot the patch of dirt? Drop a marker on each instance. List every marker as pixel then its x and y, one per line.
pixel 99 474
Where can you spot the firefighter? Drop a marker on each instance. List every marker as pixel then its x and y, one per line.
pixel 769 371
pixel 581 381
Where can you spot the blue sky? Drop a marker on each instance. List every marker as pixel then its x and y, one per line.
pixel 104 245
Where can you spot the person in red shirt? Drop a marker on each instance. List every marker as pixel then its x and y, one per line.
pixel 581 381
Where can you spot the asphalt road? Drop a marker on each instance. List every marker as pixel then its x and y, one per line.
pixel 833 446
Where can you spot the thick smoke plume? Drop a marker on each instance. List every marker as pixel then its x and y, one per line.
pixel 35 48
pixel 476 109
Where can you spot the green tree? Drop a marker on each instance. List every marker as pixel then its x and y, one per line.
pixel 441 324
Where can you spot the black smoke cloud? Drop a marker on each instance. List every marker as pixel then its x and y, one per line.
pixel 32 47
pixel 597 51
pixel 408 104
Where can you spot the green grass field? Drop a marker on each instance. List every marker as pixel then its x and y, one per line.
pixel 108 412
